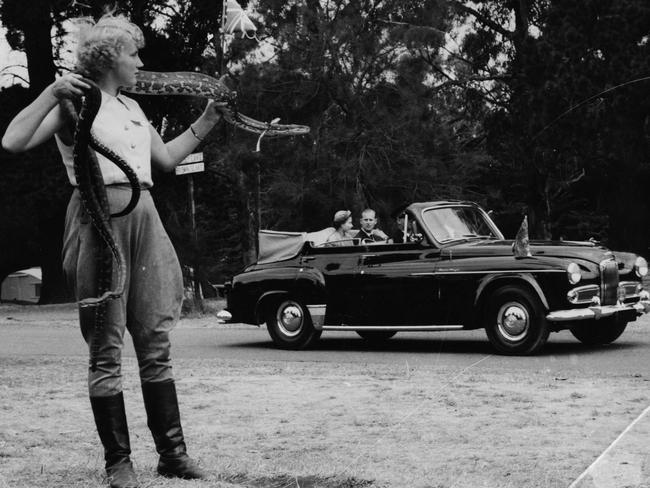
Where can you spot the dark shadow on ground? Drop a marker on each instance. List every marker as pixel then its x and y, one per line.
pixel 403 343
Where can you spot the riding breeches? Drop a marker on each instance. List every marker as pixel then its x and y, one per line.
pixel 150 304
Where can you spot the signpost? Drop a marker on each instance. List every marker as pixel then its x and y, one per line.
pixel 191 164
pixel 188 166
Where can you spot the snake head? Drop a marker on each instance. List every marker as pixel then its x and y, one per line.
pixel 227 82
pixel 229 86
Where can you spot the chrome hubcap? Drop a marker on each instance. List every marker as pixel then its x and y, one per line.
pixel 513 321
pixel 290 318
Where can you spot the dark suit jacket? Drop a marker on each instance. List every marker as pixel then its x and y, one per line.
pixel 373 237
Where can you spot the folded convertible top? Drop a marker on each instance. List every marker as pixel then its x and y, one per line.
pixel 280 246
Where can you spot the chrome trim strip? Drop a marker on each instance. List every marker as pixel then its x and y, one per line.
pixel 642 307
pixel 596 313
pixel 431 273
pixel 629 283
pixel 583 288
pixel 397 328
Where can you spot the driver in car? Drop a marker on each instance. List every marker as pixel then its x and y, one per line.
pixel 408 233
pixel 368 232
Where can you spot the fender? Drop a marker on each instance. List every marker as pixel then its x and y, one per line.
pixel 310 282
pixel 307 285
pixel 248 287
pixel 527 277
pixel 259 305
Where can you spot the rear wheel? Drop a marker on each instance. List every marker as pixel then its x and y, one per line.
pixel 603 331
pixel 516 321
pixel 289 324
pixel 376 335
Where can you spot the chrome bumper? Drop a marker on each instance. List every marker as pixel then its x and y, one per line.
pixel 224 316
pixel 597 312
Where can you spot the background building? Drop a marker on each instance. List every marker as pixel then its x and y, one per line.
pixel 22 286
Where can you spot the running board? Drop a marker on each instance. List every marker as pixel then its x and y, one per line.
pixel 396 328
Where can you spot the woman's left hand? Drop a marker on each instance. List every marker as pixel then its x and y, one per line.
pixel 214 111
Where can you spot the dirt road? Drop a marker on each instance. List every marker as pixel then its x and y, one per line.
pixel 52 330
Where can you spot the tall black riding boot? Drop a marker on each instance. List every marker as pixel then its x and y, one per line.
pixel 164 421
pixel 110 418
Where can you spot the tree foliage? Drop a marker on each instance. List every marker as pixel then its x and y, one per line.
pixel 579 169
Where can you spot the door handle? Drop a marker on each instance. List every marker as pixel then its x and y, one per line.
pixel 308 258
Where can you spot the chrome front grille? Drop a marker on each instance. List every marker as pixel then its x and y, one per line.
pixel 608 282
pixel 630 290
pixel 584 294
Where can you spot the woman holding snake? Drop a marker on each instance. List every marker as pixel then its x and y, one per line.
pixel 150 303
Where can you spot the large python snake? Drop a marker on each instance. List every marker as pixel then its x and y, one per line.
pixel 80 116
pixel 201 85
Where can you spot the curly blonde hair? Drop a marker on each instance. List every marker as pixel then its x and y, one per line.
pixel 101 43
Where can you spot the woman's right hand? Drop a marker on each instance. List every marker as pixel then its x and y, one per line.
pixel 42 118
pixel 70 85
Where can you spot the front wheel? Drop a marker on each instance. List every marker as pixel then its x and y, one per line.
pixel 289 324
pixel 603 331
pixel 516 321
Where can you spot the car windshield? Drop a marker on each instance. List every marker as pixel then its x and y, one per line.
pixel 459 222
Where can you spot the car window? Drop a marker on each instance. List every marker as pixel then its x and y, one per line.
pixel 461 222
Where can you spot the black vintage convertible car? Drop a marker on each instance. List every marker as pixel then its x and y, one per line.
pixel 453 271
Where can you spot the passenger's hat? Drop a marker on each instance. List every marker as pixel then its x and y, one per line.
pixel 341 216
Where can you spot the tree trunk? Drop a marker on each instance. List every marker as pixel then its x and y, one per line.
pixel 249 229
pixel 37 29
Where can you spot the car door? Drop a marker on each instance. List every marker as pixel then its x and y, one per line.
pixel 339 268
pixel 397 285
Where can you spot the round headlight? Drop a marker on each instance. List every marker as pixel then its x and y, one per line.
pixel 641 267
pixel 573 273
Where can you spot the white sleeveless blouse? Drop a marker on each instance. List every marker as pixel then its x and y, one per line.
pixel 122 126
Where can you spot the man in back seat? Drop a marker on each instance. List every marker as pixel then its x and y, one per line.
pixel 368 233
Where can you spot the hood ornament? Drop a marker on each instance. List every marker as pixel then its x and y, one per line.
pixel 521 246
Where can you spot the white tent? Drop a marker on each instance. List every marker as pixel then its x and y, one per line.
pixel 22 286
